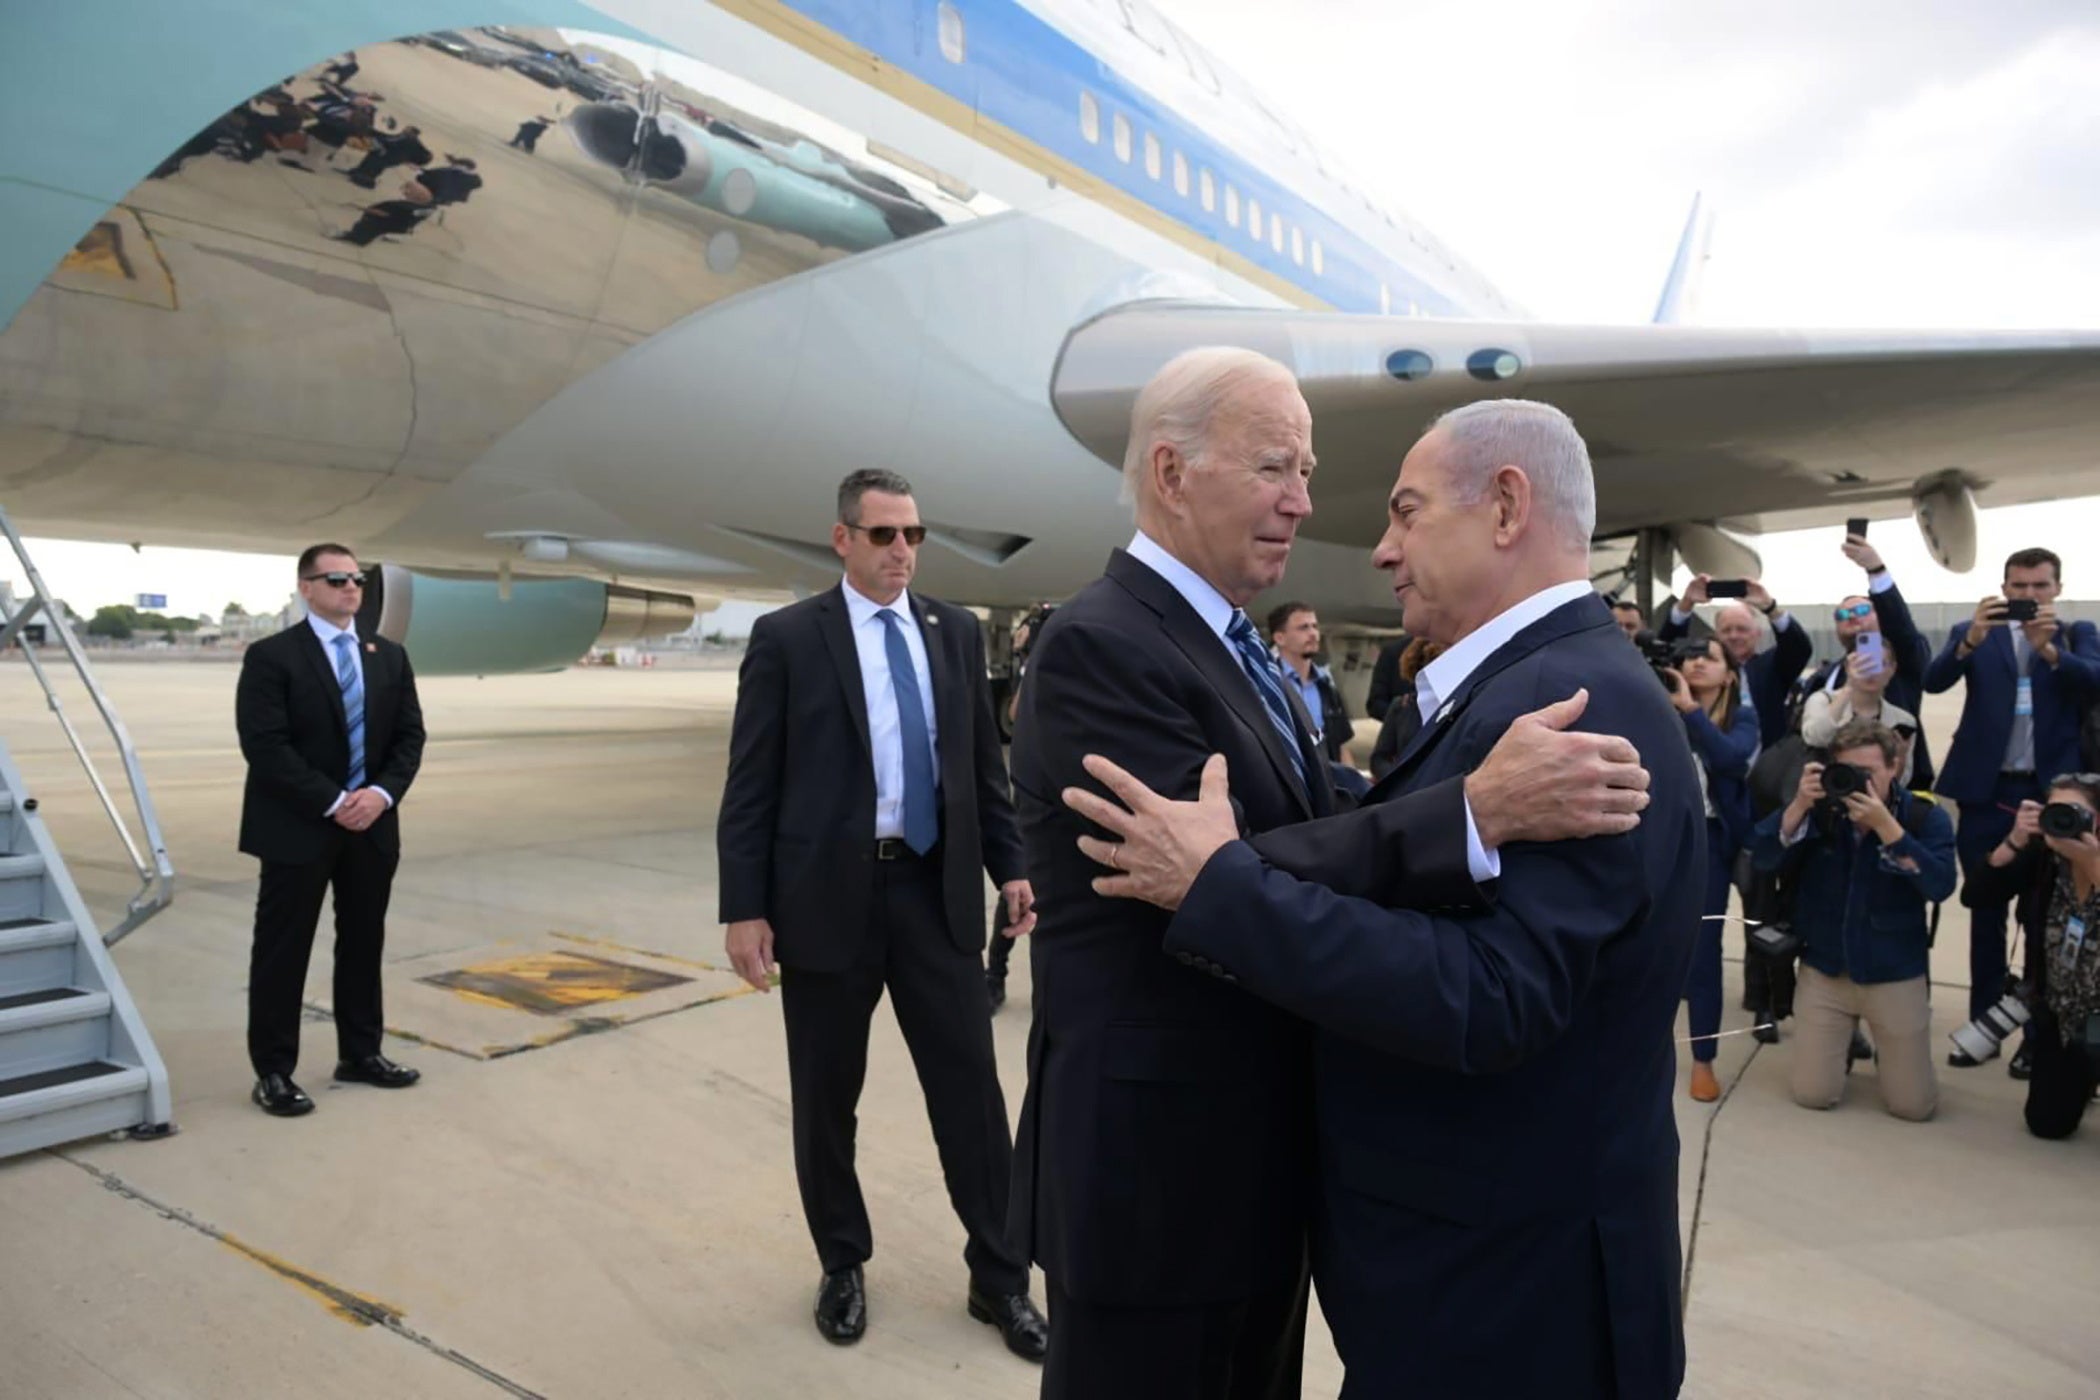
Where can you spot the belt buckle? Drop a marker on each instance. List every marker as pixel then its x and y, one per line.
pixel 889 848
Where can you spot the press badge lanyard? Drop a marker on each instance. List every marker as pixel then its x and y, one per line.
pixel 2074 943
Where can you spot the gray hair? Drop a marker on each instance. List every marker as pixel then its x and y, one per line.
pixel 860 483
pixel 1178 405
pixel 1537 439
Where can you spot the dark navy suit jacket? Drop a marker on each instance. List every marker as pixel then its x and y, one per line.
pixel 2061 694
pixel 1498 1154
pixel 1164 1155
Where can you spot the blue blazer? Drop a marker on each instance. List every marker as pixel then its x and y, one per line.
pixel 1497 1151
pixel 1862 918
pixel 1727 755
pixel 2061 693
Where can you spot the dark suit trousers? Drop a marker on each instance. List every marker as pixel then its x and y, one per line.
pixel 287 908
pixel 1983 825
pixel 1251 1349
pixel 938 994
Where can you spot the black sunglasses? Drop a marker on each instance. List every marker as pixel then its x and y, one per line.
pixel 338 579
pixel 886 535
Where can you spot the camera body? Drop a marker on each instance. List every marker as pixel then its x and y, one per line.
pixel 1665 657
pixel 1843 780
pixel 2066 821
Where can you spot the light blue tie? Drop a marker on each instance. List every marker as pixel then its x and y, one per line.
pixel 922 820
pixel 347 676
pixel 1261 669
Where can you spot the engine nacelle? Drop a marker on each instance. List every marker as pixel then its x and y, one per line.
pixel 477 626
pixel 1706 550
pixel 1946 512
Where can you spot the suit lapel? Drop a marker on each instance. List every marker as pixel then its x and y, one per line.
pixel 1212 656
pixel 1579 616
pixel 324 670
pixel 837 627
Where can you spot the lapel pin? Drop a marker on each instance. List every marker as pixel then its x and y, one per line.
pixel 932 621
pixel 372 647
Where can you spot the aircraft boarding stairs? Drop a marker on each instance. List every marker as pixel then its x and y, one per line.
pixel 75 1057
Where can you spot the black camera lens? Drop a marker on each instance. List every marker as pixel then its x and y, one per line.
pixel 2067 821
pixel 1843 780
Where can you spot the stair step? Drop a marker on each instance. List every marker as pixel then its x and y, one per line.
pixel 7 802
pixel 55 1006
pixel 23 935
pixel 71 1088
pixel 21 867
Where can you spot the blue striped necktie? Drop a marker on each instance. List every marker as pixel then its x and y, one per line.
pixel 353 684
pixel 1268 684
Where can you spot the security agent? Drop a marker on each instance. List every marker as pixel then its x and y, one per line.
pixel 865 802
pixel 1869 857
pixel 1294 633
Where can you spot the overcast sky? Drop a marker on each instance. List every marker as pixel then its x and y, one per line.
pixel 1874 163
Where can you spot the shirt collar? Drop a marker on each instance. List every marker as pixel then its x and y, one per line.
pixel 861 609
pixel 1442 678
pixel 1209 603
pixel 327 631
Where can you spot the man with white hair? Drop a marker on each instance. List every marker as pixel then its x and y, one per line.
pixel 1768 675
pixel 1497 1151
pixel 1164 1160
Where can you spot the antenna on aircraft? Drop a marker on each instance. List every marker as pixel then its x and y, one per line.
pixel 1680 295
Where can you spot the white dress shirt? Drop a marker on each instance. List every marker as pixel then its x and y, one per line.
pixel 1216 612
pixel 327 631
pixel 885 729
pixel 1443 678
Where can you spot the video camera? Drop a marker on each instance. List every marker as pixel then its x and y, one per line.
pixel 1665 657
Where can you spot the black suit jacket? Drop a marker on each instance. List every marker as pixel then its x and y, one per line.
pixel 796 834
pixel 1165 1148
pixel 288 709
pixel 1497 1149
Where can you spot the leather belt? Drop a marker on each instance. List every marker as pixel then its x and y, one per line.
pixel 894 848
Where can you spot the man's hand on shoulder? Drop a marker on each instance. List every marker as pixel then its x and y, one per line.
pixel 1543 783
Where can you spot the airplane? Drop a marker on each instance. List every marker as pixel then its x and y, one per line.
pixel 600 354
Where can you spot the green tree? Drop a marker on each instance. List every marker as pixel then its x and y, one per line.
pixel 116 622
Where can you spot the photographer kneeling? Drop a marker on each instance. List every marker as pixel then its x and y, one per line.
pixel 2051 863
pixel 1872 858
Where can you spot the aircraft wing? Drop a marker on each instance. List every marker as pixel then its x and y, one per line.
pixel 1755 430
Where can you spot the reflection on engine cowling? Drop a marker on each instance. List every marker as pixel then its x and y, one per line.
pixel 479 626
pixel 353 284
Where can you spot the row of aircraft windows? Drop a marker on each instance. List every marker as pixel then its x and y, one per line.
pixel 1124 140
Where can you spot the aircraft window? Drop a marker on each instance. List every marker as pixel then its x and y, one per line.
pixel 1152 158
pixel 952 38
pixel 1122 138
pixel 1209 188
pixel 1254 219
pixel 1090 118
pixel 1232 206
pixel 1181 174
pixel 1319 261
pixel 1276 233
pixel 1298 246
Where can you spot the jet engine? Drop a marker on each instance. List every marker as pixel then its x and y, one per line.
pixel 465 625
pixel 1946 511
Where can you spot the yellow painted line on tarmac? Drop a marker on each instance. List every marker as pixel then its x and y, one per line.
pixel 589 942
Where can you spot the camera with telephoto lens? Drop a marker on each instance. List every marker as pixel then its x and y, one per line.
pixel 1979 1040
pixel 1665 657
pixel 2066 821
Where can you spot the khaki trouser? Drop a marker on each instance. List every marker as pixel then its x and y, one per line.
pixel 1899 1017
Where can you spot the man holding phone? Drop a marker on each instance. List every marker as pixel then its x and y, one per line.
pixel 1767 675
pixel 2029 678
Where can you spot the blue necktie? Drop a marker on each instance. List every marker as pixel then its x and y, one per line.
pixel 346 675
pixel 1261 669
pixel 922 819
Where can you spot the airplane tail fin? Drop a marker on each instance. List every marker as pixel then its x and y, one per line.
pixel 1680 294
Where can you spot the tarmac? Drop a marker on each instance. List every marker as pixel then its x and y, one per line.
pixel 595 1198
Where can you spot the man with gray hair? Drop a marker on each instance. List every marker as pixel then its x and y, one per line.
pixel 1164 1161
pixel 1498 1155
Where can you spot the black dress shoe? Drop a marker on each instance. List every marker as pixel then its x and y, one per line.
pixel 1861 1048
pixel 1766 1032
pixel 376 1070
pixel 2021 1065
pixel 842 1306
pixel 277 1096
pixel 1027 1335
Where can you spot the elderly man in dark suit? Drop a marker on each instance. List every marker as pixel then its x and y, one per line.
pixel 866 801
pixel 1164 1169
pixel 1497 1153
pixel 333 735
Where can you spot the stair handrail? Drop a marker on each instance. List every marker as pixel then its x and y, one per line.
pixel 157 874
